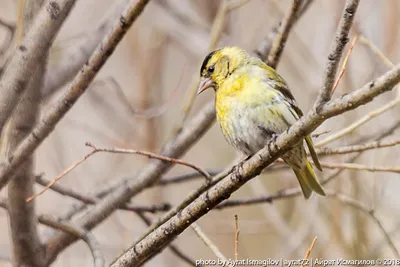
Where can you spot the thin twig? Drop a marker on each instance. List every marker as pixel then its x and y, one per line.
pixel 236 237
pixel 283 33
pixel 309 252
pixel 253 166
pixel 215 36
pixel 196 228
pixel 92 200
pixel 376 51
pixel 118 151
pixel 336 52
pixel 344 65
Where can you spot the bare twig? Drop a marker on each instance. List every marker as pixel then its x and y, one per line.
pixel 349 129
pixel 76 89
pixel 75 56
pixel 32 50
pixel 236 237
pixel 174 249
pixel 118 151
pixel 309 251
pixel 344 65
pixel 216 33
pixel 92 200
pixel 360 167
pixel 199 232
pixel 336 52
pixel 148 176
pixel 357 148
pixel 283 33
pixel 254 166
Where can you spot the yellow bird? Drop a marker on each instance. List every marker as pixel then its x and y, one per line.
pixel 253 103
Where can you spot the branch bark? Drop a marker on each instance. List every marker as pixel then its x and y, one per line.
pixel 27 250
pixel 252 167
pixel 32 50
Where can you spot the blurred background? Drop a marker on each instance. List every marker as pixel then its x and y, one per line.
pixel 138 101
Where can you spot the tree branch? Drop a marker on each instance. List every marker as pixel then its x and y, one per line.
pixel 283 33
pixel 75 56
pixel 252 167
pixel 336 51
pixel 76 89
pixel 27 250
pixel 32 50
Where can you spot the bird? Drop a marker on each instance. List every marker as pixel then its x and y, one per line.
pixel 253 104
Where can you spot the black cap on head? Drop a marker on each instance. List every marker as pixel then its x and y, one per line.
pixel 204 65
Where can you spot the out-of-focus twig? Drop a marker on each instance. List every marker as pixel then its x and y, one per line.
pixel 336 52
pixel 119 151
pixel 376 51
pixel 285 194
pixel 360 167
pixel 88 237
pixel 33 49
pixel 264 48
pixel 27 249
pixel 253 166
pixel 199 232
pixel 69 229
pixel 344 65
pixel 283 33
pixel 76 89
pixel 309 252
pixel 216 32
pixel 349 129
pixel 236 237
pixel 92 200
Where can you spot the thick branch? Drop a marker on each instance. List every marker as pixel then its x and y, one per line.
pixel 32 50
pixel 27 250
pixel 76 89
pixel 336 51
pixel 251 168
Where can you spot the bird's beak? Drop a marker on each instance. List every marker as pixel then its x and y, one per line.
pixel 204 84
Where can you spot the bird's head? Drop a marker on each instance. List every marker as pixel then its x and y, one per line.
pixel 219 65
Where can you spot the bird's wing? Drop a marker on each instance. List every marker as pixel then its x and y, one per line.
pixel 281 86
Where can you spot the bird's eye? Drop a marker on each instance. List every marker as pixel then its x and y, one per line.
pixel 211 69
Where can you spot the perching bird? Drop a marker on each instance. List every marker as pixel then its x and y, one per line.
pixel 253 103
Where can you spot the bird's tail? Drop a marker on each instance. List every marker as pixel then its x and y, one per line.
pixel 308 180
